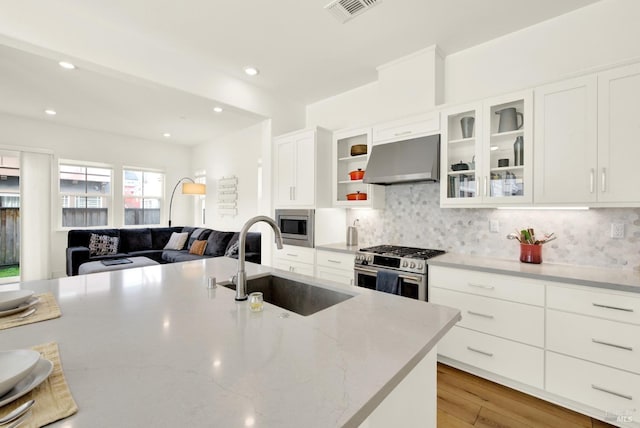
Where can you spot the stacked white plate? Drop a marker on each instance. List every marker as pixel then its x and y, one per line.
pixel 15 301
pixel 21 370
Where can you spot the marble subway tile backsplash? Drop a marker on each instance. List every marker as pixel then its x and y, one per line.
pixel 413 217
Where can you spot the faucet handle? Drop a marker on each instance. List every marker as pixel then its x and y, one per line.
pixel 234 279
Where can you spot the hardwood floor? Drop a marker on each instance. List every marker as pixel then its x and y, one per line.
pixel 465 400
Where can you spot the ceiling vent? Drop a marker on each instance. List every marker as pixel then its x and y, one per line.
pixel 344 10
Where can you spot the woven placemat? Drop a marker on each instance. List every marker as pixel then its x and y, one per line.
pixel 47 309
pixel 53 397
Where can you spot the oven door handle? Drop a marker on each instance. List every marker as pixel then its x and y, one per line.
pixel 405 277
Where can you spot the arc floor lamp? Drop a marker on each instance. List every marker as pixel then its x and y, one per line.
pixel 190 188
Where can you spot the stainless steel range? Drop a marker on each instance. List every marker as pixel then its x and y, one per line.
pixel 408 262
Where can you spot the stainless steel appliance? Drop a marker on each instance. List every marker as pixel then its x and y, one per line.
pixel 408 262
pixel 296 226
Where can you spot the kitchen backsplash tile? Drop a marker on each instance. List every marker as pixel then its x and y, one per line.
pixel 413 217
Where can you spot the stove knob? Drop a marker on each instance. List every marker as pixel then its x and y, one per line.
pixel 420 266
pixel 404 264
pixel 412 265
pixel 370 259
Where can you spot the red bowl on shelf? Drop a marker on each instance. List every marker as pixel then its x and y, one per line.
pixel 357 196
pixel 356 175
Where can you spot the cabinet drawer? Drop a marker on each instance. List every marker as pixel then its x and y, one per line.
pixel 614 306
pixel 506 287
pixel 335 260
pixel 601 341
pixel 516 361
pixel 510 320
pixel 297 254
pixel 293 266
pixel 403 129
pixel 338 275
pixel 612 391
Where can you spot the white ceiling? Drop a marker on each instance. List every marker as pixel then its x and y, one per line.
pixel 303 53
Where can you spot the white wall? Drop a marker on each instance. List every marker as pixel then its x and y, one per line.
pixel 80 144
pixel 245 154
pixel 603 33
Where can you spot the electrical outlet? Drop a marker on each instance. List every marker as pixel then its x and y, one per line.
pixel 494 226
pixel 617 230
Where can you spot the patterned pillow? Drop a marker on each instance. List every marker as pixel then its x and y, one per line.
pixel 103 245
pixel 233 249
pixel 198 247
pixel 177 241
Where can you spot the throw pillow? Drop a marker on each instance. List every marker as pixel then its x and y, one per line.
pixel 233 249
pixel 103 245
pixel 198 247
pixel 177 241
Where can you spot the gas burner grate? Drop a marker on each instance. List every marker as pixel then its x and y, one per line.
pixel 399 251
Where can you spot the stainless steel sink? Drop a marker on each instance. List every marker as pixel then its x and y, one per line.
pixel 299 297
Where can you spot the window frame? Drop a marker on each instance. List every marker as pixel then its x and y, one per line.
pixel 62 195
pixel 161 197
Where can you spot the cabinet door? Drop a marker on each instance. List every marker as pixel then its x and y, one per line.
pixel 507 150
pixel 618 133
pixel 461 156
pixel 566 141
pixel 285 155
pixel 305 170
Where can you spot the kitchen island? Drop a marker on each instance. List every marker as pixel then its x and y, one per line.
pixel 154 346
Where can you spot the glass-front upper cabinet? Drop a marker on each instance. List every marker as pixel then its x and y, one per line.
pixel 487 153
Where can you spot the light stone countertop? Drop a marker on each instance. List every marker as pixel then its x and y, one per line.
pixel 339 247
pixel 153 346
pixel 614 279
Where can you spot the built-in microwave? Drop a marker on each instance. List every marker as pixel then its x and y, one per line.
pixel 296 226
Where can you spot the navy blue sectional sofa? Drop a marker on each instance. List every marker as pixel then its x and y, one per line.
pixel 150 242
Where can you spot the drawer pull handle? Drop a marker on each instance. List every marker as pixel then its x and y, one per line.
pixel 599 305
pixel 600 342
pixel 488 354
pixel 334 261
pixel 486 287
pixel 608 391
pixel 292 255
pixel 478 314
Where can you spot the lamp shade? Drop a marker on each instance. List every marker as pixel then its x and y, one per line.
pixel 194 189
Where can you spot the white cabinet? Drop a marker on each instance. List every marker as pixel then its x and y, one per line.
pixel 295 259
pixel 301 163
pixel 586 139
pixel 491 163
pixel 565 141
pixel 335 266
pixel 344 162
pixel 406 128
pixel 502 326
pixel 618 133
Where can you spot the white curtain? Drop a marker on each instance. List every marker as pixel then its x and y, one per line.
pixel 35 215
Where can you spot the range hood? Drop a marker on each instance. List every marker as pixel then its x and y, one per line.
pixel 404 161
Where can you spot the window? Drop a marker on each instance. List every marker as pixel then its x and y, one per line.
pixel 142 192
pixel 85 194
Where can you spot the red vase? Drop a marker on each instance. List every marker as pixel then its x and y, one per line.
pixel 530 253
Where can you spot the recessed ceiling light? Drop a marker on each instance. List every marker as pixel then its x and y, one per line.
pixel 166 135
pixel 50 112
pixel 217 109
pixel 494 148
pixel 251 71
pixel 67 65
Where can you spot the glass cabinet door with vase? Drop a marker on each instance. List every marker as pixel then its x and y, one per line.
pixel 351 149
pixel 508 150
pixel 461 154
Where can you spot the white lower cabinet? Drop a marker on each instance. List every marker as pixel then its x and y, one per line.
pixel 607 342
pixel 522 363
pixel 515 321
pixel 614 392
pixel 335 266
pixel 295 259
pixel 577 346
